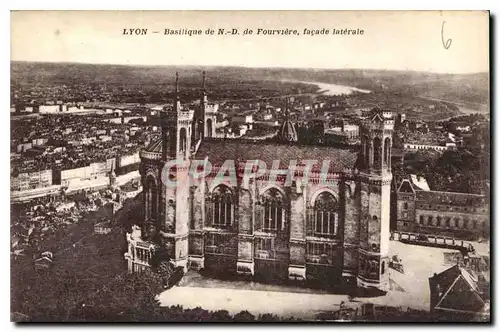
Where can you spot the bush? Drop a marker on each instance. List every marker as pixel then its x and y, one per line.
pixel 222 316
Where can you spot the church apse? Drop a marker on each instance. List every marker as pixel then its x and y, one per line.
pixel 327 227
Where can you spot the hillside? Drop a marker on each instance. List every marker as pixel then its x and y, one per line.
pixel 469 89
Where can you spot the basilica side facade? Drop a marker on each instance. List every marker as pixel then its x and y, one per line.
pixel 331 225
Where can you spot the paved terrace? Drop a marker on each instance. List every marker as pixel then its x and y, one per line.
pixel 410 289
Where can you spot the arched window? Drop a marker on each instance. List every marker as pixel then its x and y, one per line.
pixel 457 223
pixel 209 128
pixel 387 154
pixel 201 129
pixel 366 150
pixel 183 140
pixel 151 198
pixel 439 221
pixel 466 223
pixel 448 222
pixel 222 207
pixel 273 205
pixel 194 132
pixel 421 220
pixel 377 151
pixel 405 206
pixel 429 220
pixel 325 215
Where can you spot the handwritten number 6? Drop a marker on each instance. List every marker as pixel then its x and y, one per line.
pixel 446 44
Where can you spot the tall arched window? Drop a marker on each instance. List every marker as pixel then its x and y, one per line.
pixel 366 150
pixel 274 216
pixel 377 151
pixel 201 129
pixel 183 140
pixel 209 128
pixel 387 154
pixel 151 198
pixel 325 215
pixel 222 207
pixel 194 132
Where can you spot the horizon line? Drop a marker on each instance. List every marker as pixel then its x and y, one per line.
pixel 246 67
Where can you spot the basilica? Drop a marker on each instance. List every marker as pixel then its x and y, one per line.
pixel 332 225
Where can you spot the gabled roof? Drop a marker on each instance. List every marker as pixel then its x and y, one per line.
pixel 420 182
pixel 406 187
pixel 43 260
pixel 457 291
pixel 220 150
pixel 377 117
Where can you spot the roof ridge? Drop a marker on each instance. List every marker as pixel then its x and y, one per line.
pixel 451 192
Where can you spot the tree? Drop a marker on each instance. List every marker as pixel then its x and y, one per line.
pixel 268 318
pixel 457 171
pixel 221 316
pixel 244 316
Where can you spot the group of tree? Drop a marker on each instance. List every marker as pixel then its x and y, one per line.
pixel 123 298
pixel 454 170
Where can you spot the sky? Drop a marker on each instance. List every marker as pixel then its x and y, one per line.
pixel 391 40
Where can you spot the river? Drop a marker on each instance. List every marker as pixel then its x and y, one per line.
pixel 465 109
pixel 329 89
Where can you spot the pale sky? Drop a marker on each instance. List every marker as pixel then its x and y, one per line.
pixel 391 40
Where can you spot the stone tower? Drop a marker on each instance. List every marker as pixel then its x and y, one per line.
pixel 374 200
pixel 175 154
pixel 209 113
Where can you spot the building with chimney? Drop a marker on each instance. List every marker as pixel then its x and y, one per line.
pixel 454 214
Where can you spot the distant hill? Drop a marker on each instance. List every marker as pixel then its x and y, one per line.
pixel 460 88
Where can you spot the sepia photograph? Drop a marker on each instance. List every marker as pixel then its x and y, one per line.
pixel 250 166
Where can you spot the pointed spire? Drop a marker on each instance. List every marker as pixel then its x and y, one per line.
pixel 204 88
pixel 204 94
pixel 177 85
pixel 177 103
pixel 204 99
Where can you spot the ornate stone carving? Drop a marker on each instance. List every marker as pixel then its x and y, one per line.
pixel 369 267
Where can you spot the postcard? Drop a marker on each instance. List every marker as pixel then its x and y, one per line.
pixel 250 166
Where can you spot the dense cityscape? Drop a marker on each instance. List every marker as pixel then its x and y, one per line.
pixel 81 150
